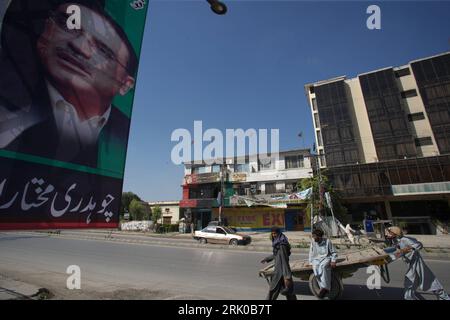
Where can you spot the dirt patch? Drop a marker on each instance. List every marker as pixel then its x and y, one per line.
pixel 53 290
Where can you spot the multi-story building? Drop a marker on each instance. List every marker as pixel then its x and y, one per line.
pixel 384 137
pixel 250 178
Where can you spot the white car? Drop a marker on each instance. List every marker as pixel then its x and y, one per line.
pixel 220 234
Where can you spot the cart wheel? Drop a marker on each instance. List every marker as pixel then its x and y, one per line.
pixel 337 287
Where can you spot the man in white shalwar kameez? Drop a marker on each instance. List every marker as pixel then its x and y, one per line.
pixel 322 257
pixel 419 274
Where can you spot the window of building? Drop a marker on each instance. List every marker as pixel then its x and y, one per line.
pixel 316 120
pixel 346 133
pixel 380 128
pixel 409 93
pixel 351 156
pixel 270 188
pixel 399 125
pixel 291 187
pixel 198 170
pixel 266 165
pixel 319 139
pixel 311 89
pixel 314 104
pixel 426 141
pixel 244 167
pixel 292 162
pixel 416 116
pixel 241 189
pixel 205 191
pixel 215 168
pixel 404 149
pixel 386 152
pixel 402 72
pixel 330 136
pixel 322 159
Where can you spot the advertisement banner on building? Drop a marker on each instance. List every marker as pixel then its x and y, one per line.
pixel 238 177
pixel 252 218
pixel 68 73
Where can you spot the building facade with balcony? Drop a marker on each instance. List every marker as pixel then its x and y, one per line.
pixel 384 141
pixel 247 178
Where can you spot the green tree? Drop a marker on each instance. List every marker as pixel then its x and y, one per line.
pixel 340 212
pixel 139 210
pixel 156 215
pixel 127 197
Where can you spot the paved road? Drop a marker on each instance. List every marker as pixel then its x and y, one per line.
pixel 134 271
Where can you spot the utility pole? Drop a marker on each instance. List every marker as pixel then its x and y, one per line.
pixel 222 166
pixel 320 186
pixel 315 161
pixel 316 173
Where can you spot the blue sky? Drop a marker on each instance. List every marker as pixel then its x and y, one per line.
pixel 247 69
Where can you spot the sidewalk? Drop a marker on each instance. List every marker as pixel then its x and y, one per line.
pixel 16 290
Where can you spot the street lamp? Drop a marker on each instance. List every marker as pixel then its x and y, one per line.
pixel 218 7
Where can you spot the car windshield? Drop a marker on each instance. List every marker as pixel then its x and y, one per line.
pixel 228 230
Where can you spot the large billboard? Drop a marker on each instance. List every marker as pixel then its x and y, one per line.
pixel 67 77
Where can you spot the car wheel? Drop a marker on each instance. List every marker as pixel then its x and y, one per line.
pixel 203 241
pixel 234 242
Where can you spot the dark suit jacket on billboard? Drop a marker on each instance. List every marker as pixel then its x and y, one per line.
pixel 42 138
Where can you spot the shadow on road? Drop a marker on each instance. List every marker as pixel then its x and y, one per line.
pixel 355 292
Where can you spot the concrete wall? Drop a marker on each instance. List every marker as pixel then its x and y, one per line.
pixel 420 128
pixel 361 123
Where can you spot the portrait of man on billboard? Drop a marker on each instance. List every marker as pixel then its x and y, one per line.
pixel 58 83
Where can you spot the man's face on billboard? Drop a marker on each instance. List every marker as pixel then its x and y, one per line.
pixel 90 60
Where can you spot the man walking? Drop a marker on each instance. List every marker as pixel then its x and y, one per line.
pixel 281 281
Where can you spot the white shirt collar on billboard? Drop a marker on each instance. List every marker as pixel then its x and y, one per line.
pixel 70 126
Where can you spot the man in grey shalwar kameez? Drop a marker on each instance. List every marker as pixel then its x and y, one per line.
pixel 322 257
pixel 281 281
pixel 419 274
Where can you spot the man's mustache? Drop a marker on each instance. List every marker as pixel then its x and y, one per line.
pixel 74 58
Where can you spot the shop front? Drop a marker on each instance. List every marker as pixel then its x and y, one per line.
pixel 263 218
